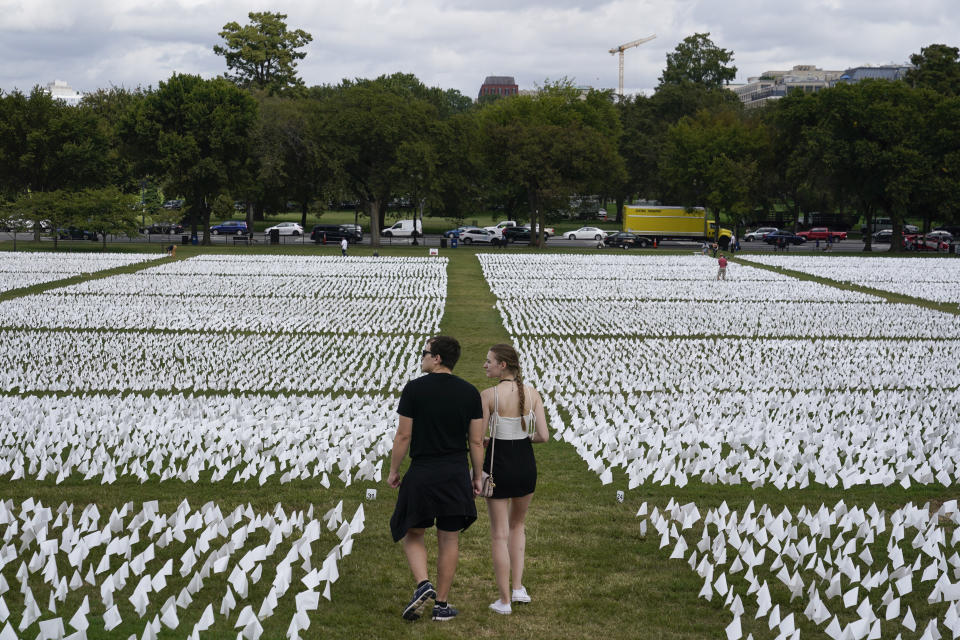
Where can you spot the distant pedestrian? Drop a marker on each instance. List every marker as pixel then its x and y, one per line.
pixel 714 247
pixel 733 244
pixel 722 271
pixel 172 251
pixel 705 248
pixel 343 247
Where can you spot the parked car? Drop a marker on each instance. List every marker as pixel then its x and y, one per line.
pixel 454 233
pixel 626 240
pixel 883 236
pixel 164 228
pixel 403 229
pixel 919 242
pixel 230 227
pixel 789 238
pixel 475 234
pixel 73 233
pixel 286 229
pixel 759 233
pixel 336 232
pixel 822 233
pixel 522 234
pixel 498 228
pixel 941 235
pixel 585 233
pixel 173 205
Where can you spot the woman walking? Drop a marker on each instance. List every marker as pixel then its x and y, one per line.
pixel 514 414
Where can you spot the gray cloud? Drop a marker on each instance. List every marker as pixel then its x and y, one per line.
pixel 456 43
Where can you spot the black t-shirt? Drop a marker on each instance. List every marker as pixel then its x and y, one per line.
pixel 442 406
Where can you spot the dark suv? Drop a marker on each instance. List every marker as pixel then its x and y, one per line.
pixel 336 232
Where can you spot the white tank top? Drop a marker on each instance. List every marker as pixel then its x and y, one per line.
pixel 513 428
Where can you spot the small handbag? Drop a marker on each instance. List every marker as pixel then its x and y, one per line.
pixel 486 489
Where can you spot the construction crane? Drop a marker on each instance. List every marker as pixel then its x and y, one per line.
pixel 624 47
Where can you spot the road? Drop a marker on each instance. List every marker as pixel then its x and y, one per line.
pixel 846 246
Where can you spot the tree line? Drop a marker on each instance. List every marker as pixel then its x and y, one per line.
pixel 260 137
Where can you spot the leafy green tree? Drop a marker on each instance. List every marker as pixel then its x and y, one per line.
pixel 195 134
pixel 295 157
pixel 107 211
pixel 936 67
pixel 371 127
pixel 711 160
pixel 263 54
pixel 697 60
pixel 46 145
pixel 551 146
pixel 867 142
pixel 52 209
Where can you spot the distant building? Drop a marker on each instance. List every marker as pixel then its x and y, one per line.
pixel 498 86
pixel 60 90
pixel 883 72
pixel 773 85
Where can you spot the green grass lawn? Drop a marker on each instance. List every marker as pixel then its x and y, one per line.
pixel 590 572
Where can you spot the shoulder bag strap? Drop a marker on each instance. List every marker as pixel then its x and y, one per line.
pixel 493 428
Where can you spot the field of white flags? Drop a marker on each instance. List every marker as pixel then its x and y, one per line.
pixel 851 572
pixel 841 393
pixel 191 573
pixel 936 279
pixel 22 269
pixel 659 376
pixel 254 371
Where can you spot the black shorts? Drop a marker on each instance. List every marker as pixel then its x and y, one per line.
pixel 435 490
pixel 445 523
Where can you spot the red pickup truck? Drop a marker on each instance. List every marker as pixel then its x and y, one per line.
pixel 822 233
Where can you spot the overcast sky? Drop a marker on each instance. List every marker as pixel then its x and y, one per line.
pixel 456 43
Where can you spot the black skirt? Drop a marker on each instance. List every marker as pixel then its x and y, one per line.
pixel 514 468
pixel 434 488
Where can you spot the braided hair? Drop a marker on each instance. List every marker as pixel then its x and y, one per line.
pixel 508 356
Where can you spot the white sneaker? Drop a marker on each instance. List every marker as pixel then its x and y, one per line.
pixel 520 595
pixel 501 608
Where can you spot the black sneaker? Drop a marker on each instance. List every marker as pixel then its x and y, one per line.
pixel 442 614
pixel 420 597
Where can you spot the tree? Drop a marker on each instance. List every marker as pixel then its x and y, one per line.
pixel 551 146
pixel 295 157
pixel 46 208
pixel 698 60
pixel 106 211
pixel 194 133
pixel 263 54
pixel 371 127
pixel 936 67
pixel 711 160
pixel 867 142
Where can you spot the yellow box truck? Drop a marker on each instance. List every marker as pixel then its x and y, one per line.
pixel 675 223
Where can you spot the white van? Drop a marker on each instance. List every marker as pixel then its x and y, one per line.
pixel 403 229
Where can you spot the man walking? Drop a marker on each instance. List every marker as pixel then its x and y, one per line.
pixel 439 414
pixel 722 272
pixel 343 247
